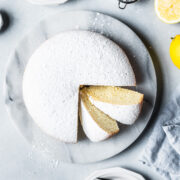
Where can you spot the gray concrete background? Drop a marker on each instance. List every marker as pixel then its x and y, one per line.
pixel 18 160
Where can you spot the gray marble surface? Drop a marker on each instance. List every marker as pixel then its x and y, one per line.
pixel 18 160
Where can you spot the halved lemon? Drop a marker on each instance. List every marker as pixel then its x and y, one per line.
pixel 168 10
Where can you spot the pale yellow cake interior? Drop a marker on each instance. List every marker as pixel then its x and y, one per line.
pixel 114 95
pixel 104 121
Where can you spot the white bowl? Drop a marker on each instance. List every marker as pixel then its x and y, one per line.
pixel 47 2
pixel 116 173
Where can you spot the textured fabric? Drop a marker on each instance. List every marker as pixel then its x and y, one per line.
pixel 162 151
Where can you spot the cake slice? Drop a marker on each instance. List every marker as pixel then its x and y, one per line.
pixel 120 104
pixel 96 125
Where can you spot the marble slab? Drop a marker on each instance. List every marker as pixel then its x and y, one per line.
pixel 84 151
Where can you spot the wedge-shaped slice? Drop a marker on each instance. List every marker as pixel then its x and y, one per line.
pixel 96 125
pixel 120 104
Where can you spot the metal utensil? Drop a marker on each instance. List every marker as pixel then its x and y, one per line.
pixel 122 3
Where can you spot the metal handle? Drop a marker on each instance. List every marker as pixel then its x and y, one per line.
pixel 122 5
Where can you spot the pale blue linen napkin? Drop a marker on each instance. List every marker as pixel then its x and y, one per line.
pixel 162 151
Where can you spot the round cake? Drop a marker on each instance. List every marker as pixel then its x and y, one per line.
pixel 59 67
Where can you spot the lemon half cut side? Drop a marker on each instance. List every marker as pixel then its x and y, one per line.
pixel 168 10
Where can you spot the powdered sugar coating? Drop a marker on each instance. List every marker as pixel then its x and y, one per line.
pixel 125 114
pixel 90 127
pixel 57 68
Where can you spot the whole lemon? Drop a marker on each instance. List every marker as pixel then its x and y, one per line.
pixel 175 51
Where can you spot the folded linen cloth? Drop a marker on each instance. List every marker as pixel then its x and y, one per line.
pixel 162 151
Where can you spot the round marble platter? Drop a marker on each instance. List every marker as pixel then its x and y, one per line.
pixel 84 151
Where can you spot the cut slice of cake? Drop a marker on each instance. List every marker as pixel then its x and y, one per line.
pixel 120 104
pixel 96 125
